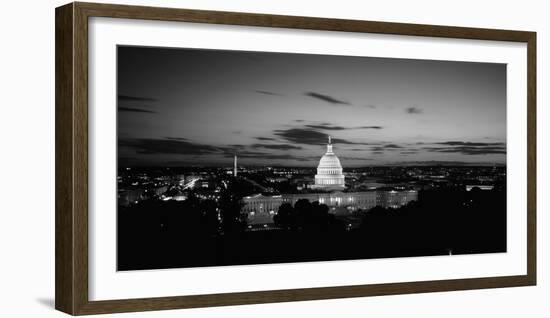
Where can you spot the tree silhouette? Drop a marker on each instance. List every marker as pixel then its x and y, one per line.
pixel 303 211
pixel 285 216
pixel 306 216
pixel 209 213
pixel 230 204
pixel 197 232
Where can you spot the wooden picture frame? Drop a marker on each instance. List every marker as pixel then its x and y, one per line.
pixel 71 90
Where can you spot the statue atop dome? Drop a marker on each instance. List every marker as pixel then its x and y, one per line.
pixel 329 172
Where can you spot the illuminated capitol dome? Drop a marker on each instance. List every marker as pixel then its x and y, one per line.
pixel 329 172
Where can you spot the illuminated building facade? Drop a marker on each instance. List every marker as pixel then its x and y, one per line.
pixel 394 199
pixel 261 208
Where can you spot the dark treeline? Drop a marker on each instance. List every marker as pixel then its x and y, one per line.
pixel 440 222
pixel 196 232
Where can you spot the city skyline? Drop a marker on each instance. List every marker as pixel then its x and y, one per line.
pixel 180 107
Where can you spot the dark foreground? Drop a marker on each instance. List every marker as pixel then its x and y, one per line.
pixel 156 234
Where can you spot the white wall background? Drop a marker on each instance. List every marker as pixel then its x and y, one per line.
pixel 27 158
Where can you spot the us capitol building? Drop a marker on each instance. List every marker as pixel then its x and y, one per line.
pixel 330 181
pixel 329 172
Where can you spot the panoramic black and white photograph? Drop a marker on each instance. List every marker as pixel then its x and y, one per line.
pixel 243 158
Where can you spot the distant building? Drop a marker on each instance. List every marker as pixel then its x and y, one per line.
pixel 261 209
pixel 394 199
pixel 479 186
pixel 260 204
pixel 130 196
pixel 159 190
pixel 179 179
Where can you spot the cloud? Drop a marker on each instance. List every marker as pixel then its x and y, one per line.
pixel 354 158
pixel 370 127
pixel 443 163
pixel 135 110
pixel 182 146
pixel 371 106
pixel 168 146
pixel 457 147
pixel 135 99
pixel 349 142
pixel 310 136
pixel 267 156
pixel 326 98
pixel 326 127
pixel 466 147
pixel 265 138
pixel 391 146
pixel 299 120
pixel 245 153
pixel 468 150
pixel 276 147
pixel 303 136
pixel 329 126
pixel 414 110
pixel 268 93
pixel 128 98
pixel 470 144
pixel 382 148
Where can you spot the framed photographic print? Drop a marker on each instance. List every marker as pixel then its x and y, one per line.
pixel 217 158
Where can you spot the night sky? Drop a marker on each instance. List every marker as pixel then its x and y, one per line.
pixel 180 107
